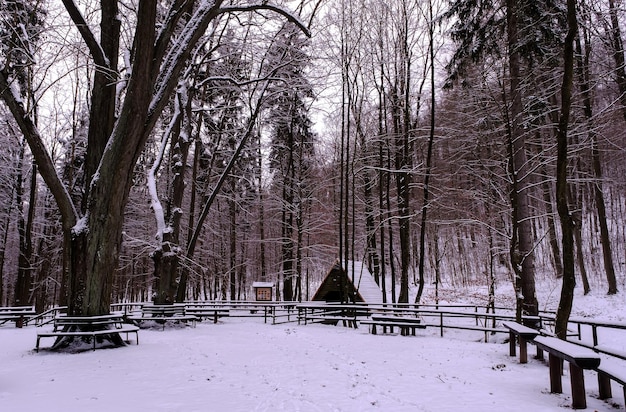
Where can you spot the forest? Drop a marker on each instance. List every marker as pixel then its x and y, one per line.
pixel 181 150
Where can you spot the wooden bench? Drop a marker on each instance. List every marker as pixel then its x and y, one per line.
pixel 523 335
pixel 327 315
pixel 89 326
pixel 346 320
pixel 407 325
pixel 207 312
pixel 579 358
pixel 17 314
pixel 162 314
pixel 607 373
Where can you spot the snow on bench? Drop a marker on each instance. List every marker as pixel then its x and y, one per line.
pixel 523 335
pixel 579 358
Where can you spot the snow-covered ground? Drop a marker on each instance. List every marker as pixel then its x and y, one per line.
pixel 246 365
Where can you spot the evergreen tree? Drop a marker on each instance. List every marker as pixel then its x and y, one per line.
pixel 291 149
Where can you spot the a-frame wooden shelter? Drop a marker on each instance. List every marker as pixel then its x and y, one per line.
pixel 354 284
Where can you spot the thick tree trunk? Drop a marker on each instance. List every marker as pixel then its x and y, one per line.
pixel 166 264
pixel 522 253
pixel 103 98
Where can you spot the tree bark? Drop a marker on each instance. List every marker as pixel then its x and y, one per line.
pixel 429 155
pixel 24 282
pixel 618 55
pixel 567 224
pixel 103 98
pixel 605 238
pixel 522 253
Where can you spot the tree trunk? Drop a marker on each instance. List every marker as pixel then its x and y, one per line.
pixel 232 211
pixel 167 256
pixel 580 256
pixel 605 238
pixel 103 98
pixel 166 264
pixel 429 154
pixel 618 55
pixel 567 224
pixel 552 236
pixel 24 282
pixel 287 243
pixel 522 251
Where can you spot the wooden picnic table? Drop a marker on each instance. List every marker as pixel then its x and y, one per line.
pixel 17 314
pixel 89 326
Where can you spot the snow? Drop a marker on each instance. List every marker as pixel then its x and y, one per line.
pixel 243 364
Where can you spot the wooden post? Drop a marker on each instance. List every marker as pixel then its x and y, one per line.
pixel 554 364
pixel 579 399
pixel 523 350
pixel 594 331
pixel 441 323
pixel 512 349
pixel 539 353
pixel 604 386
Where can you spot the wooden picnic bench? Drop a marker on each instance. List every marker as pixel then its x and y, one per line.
pixel 607 373
pixel 406 324
pixel 89 326
pixel 207 312
pixel 523 334
pixel 332 314
pixel 162 314
pixel 579 358
pixel 17 314
pixel 348 320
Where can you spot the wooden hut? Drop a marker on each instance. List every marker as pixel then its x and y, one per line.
pixel 354 284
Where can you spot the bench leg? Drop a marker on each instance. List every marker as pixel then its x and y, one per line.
pixel 373 329
pixel 554 363
pixel 512 349
pixel 604 386
pixel 539 354
pixel 579 400
pixel 523 350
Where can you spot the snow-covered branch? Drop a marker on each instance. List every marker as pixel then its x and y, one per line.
pixel 45 164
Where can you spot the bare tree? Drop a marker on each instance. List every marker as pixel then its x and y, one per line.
pixel 567 224
pixel 92 231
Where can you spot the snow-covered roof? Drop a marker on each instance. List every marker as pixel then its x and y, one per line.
pixel 364 282
pixel 262 284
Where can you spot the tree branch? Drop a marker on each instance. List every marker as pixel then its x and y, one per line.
pixel 95 49
pixel 44 162
pixel 256 7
